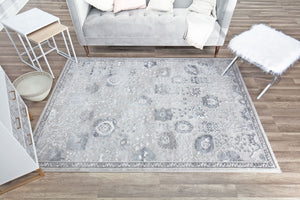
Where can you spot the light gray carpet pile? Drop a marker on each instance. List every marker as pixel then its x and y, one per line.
pixel 147 114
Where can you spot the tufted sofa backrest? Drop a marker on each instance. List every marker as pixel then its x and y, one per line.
pixel 187 3
pixel 182 3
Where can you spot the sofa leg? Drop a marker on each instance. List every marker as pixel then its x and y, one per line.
pixel 217 50
pixel 86 48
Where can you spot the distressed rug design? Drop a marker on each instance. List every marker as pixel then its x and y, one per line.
pixel 151 114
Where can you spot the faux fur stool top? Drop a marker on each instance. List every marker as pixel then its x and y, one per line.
pixel 271 50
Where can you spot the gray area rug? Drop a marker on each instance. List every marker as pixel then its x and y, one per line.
pixel 147 114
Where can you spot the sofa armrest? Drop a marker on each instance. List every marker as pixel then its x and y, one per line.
pixel 225 9
pixel 79 10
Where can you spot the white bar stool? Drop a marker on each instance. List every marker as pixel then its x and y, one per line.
pixel 38 27
pixel 270 50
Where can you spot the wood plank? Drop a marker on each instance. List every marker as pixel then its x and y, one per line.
pixel 268 190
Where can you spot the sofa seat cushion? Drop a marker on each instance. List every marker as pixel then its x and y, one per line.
pixel 140 27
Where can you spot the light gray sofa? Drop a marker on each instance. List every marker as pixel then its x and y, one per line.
pixel 142 27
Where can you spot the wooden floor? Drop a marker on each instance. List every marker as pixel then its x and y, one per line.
pixel 279 111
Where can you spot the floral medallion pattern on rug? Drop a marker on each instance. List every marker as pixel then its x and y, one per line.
pixel 141 114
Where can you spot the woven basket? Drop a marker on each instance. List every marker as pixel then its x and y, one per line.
pixel 34 86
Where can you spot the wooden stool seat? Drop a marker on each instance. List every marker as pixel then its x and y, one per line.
pixel 47 32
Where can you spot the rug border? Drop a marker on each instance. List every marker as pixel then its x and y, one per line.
pixel 168 170
pixel 236 67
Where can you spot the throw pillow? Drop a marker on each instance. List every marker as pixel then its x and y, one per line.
pixel 120 5
pixel 205 7
pixel 161 5
pixel 104 5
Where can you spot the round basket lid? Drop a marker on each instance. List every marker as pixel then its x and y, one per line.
pixel 33 83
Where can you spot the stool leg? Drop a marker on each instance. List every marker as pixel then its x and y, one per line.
pixel 12 41
pixel 268 86
pixel 43 53
pixel 35 58
pixel 72 47
pixel 49 45
pixel 63 35
pixel 228 67
pixel 27 52
pixel 55 46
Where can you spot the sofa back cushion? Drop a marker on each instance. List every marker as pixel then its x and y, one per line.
pixel 221 6
pixel 187 3
pixel 180 3
pixel 120 5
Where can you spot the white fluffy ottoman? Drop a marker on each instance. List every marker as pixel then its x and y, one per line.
pixel 271 50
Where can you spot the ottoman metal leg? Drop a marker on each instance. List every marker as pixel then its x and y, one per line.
pixel 232 62
pixel 268 86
